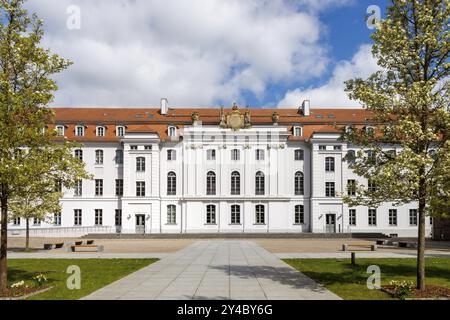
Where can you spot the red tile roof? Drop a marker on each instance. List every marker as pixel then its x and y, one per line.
pixel 151 120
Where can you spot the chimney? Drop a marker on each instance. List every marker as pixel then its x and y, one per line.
pixel 164 106
pixel 306 107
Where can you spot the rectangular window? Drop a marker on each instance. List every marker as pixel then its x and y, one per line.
pixel 372 217
pixel 260 155
pixel 140 164
pixel 351 187
pixel 392 217
pixel 352 217
pixel 322 148
pixel 133 148
pixel 235 214
pixel 260 215
pixel 210 214
pixel 36 222
pixel 119 156
pixel 235 155
pixel 140 189
pixel 119 187
pixel 171 155
pixel 78 191
pixel 371 186
pixel 99 187
pixel 171 214
pixel 148 148
pixel 211 154
pixel 413 217
pixel 98 156
pixel 57 219
pixel 337 148
pixel 77 217
pixel 330 189
pixel 297 131
pixel 299 214
pixel 299 155
pixel 16 221
pixel 329 164
pixel 98 217
pixel 79 154
pixel 118 217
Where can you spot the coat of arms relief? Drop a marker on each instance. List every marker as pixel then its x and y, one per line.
pixel 235 119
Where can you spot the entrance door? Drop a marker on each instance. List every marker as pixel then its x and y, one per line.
pixel 330 223
pixel 140 223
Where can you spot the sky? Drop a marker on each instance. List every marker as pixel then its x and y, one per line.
pixel 207 53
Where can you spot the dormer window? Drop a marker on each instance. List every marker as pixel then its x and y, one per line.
pixel 370 130
pixel 60 130
pixel 120 131
pixel 172 131
pixel 100 131
pixel 297 131
pixel 348 129
pixel 79 131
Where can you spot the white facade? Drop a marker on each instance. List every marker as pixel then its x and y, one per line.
pixel 188 208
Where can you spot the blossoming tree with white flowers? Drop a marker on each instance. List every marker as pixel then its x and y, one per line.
pixel 409 101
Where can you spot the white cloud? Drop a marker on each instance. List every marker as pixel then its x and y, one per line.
pixel 332 94
pixel 196 53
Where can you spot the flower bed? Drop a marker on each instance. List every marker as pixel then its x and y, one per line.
pixel 431 292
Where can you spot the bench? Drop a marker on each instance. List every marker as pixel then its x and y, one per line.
pixel 86 248
pixel 373 247
pixel 50 246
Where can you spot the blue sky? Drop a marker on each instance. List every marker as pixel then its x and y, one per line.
pixel 201 53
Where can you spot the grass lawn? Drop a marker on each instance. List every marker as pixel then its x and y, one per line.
pixel 95 274
pixel 349 282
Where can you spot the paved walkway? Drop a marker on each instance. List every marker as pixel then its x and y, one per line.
pixel 239 270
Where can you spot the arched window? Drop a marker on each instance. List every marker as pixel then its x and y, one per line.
pixel 120 131
pixel 210 214
pixel 299 184
pixel 329 164
pixel 172 131
pixel 211 183
pixel 98 156
pixel 235 183
pixel 299 214
pixel 140 164
pixel 60 130
pixel 79 131
pixel 171 214
pixel 259 183
pixel 260 214
pixel 171 184
pixel 100 131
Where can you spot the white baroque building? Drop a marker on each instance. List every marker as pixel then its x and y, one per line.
pixel 166 170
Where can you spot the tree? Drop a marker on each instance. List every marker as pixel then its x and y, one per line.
pixel 51 168
pixel 26 88
pixel 408 100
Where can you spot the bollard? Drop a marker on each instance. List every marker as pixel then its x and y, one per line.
pixel 353 259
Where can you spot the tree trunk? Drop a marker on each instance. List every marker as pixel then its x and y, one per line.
pixel 3 244
pixel 421 240
pixel 27 235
